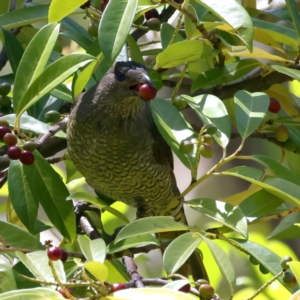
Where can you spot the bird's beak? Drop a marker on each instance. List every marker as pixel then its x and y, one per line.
pixel 145 79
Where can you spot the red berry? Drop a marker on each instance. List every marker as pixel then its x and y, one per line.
pixel 147 91
pixel 63 293
pixel 274 106
pixel 289 280
pixel 64 255
pixel 153 13
pixel 117 287
pixel 186 288
pixel 14 152
pixel 54 253
pixel 3 131
pixel 27 158
pixel 10 139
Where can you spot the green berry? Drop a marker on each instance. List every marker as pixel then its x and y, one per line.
pixel 282 133
pixel 284 262
pixel 211 129
pixel 179 103
pixel 208 139
pixel 206 291
pixel 253 260
pixel 289 280
pixel 263 269
pixel 93 29
pixel 5 88
pixel 5 101
pixel 199 282
pixel 186 147
pixel 52 116
pixel 206 150
pixel 31 146
pixel 154 24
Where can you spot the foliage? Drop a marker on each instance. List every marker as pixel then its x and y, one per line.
pixel 217 54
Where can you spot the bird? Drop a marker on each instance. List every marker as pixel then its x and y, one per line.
pixel 115 144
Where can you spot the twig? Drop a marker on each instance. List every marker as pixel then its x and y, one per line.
pixel 132 271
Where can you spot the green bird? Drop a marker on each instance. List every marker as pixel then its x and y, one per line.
pixel 115 144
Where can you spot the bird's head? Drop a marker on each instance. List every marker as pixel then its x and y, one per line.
pixel 126 87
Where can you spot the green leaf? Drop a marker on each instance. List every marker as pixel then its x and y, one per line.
pixel 13 49
pixel 135 52
pixel 132 242
pixel 34 60
pixel 174 128
pixel 16 237
pixel 281 188
pixel 166 33
pixel 211 110
pixel 295 267
pixel 24 201
pixel 8 281
pixel 180 250
pixel 225 74
pixel 63 93
pixel 177 284
pixel 115 25
pixel 287 71
pixel 47 186
pixel 224 213
pixel 155 78
pixel 277 169
pixel 58 9
pixel 250 111
pixel 223 263
pixel 5 6
pixel 25 16
pixel 235 16
pixel 293 9
pixel 150 225
pixel 97 269
pixel 53 75
pixel 93 250
pixel 288 227
pixel 260 204
pixel 38 264
pixel 190 26
pixel 32 294
pixel 32 124
pixel 182 52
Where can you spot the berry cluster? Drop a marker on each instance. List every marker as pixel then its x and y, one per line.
pixel 14 152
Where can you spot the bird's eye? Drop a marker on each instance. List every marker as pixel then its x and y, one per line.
pixel 120 76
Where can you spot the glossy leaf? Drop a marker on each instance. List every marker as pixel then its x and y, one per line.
pixel 281 188
pixel 287 71
pixel 176 284
pixel 136 241
pixel 211 110
pixel 34 60
pixel 32 124
pixel 174 128
pixel 224 213
pixel 25 16
pixel 180 250
pixel 16 237
pixel 293 9
pixel 260 204
pixel 166 34
pixel 47 186
pixel 8 281
pixel 13 49
pixel 115 25
pixel 5 6
pixel 250 111
pixel 223 75
pixel 58 9
pixel 150 225
pixel 38 264
pixel 235 16
pixel 190 26
pixel 97 269
pixel 63 93
pixel 24 200
pixel 93 250
pixel 53 75
pixel 135 52
pixel 223 263
pixel 32 294
pixel 182 52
